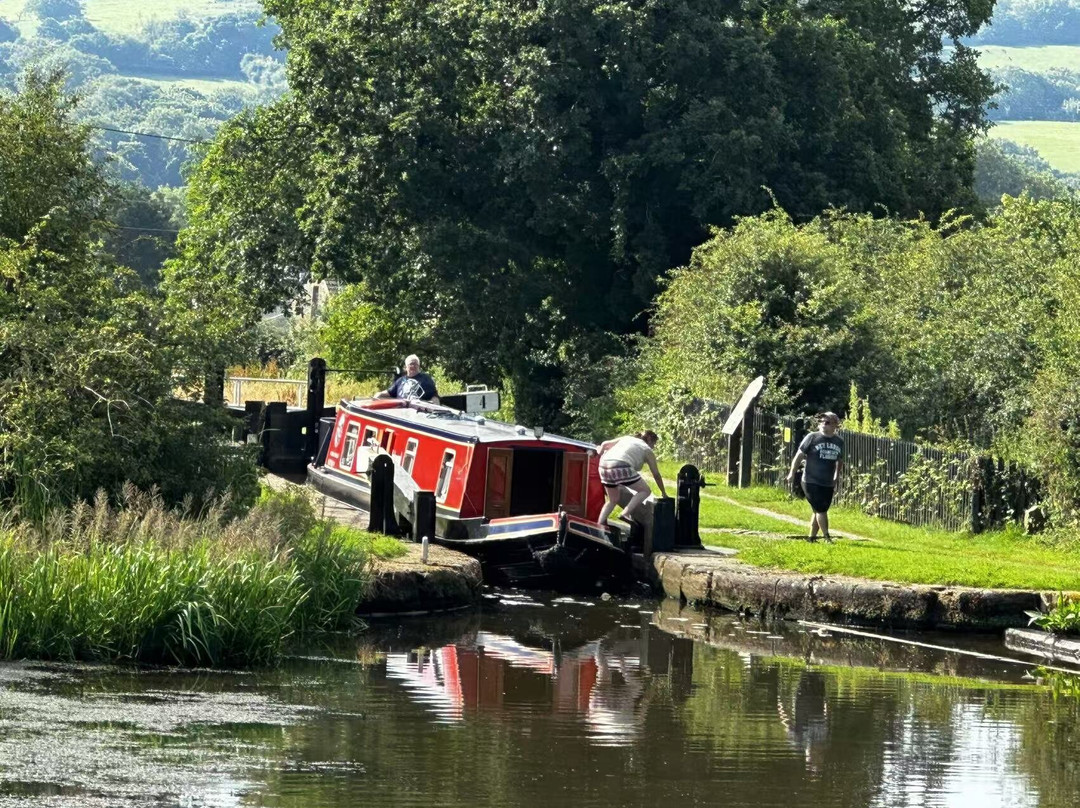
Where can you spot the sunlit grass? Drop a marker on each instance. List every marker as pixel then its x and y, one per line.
pixel 142 583
pixel 893 552
pixel 1058 142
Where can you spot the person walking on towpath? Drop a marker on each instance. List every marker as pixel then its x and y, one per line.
pixel 823 452
pixel 621 460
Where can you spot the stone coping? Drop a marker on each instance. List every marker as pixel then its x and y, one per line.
pixel 1041 643
pixel 710 578
pixel 449 580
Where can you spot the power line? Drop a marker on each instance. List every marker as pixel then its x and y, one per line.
pixel 145 134
pixel 145 229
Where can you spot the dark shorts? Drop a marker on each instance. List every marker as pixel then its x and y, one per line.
pixel 819 496
pixel 617 473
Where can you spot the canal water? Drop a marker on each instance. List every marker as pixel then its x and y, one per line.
pixel 543 701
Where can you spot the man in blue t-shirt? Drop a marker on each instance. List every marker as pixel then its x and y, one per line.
pixel 413 386
pixel 824 454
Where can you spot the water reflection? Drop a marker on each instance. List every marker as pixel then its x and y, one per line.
pixel 602 682
pixel 527 702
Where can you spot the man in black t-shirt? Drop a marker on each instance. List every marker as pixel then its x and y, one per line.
pixel 824 454
pixel 413 386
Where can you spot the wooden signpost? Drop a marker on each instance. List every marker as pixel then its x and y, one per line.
pixel 739 428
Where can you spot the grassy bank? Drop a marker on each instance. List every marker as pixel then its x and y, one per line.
pixel 141 583
pixel 893 552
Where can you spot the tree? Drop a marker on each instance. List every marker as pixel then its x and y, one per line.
pixel 1006 168
pixel 522 175
pixel 86 362
pixel 8 32
pixel 244 253
pixel 54 9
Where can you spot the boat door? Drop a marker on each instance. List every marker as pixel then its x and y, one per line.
pixel 575 476
pixel 500 469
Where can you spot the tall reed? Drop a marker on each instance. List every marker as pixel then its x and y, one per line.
pixel 140 582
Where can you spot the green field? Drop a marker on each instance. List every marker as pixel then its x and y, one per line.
pixel 119 16
pixel 1034 60
pixel 1057 141
pixel 205 86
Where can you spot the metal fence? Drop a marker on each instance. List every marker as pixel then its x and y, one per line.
pixel 895 479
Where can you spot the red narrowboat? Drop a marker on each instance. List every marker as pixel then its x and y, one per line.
pixel 505 494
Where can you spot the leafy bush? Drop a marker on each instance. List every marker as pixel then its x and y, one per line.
pixel 1063 618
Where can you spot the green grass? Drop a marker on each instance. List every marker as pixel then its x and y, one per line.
pixel 1039 59
pixel 896 552
pixel 1058 142
pixel 142 583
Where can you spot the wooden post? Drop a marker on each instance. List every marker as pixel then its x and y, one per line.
pixel 316 399
pixel 734 452
pixel 423 515
pixel 798 432
pixel 214 387
pixel 746 453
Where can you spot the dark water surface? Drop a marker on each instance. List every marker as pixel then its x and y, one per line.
pixel 541 703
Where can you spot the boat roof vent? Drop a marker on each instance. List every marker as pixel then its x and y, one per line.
pixel 521 430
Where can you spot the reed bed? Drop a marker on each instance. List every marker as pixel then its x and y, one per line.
pixel 139 582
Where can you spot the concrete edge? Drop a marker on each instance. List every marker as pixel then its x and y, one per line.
pixel 1053 647
pixel 736 586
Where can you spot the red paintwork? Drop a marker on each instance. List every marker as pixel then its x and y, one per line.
pixel 467 490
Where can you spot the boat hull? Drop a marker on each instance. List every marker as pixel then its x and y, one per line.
pixel 549 551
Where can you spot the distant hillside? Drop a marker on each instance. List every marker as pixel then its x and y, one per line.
pixel 175 68
pixel 128 16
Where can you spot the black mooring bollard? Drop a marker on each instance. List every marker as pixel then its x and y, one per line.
pixel 687 507
pixel 423 515
pixel 382 519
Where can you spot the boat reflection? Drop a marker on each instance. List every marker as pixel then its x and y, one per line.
pixel 601 682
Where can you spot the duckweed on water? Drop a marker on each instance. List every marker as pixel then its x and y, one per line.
pixel 146 584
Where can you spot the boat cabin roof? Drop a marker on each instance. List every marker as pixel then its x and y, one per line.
pixel 446 422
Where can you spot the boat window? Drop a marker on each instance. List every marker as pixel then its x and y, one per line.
pixel 387 442
pixel 350 446
pixel 410 454
pixel 445 472
pixel 370 433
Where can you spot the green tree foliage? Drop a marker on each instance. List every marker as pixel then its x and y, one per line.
pixel 521 175
pixel 358 333
pixel 143 231
pixel 1033 22
pixel 8 32
pixel 86 384
pixel 1024 95
pixel 54 9
pixel 1006 168
pixel 767 297
pixel 245 253
pixel 964 332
